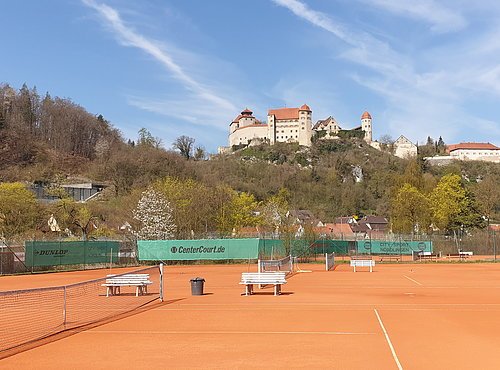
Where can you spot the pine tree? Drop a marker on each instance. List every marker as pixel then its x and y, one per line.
pixel 153 211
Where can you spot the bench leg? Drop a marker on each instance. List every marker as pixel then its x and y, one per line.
pixel 248 289
pixel 108 288
pixel 277 289
pixel 371 268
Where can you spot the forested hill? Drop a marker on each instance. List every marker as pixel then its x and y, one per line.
pixel 55 141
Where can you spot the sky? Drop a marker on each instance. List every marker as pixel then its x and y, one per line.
pixel 189 67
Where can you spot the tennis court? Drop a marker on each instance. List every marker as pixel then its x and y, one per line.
pixel 411 316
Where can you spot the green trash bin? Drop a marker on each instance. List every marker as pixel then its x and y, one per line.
pixel 197 286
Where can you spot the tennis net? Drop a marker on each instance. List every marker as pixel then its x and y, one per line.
pixel 283 265
pixel 33 314
pixel 329 261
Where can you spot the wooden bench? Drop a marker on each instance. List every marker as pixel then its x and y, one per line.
pixel 428 257
pixel 263 278
pixel 461 256
pixel 390 258
pixel 362 261
pixel 115 282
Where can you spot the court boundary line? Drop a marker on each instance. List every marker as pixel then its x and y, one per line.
pixel 409 278
pixel 388 340
pixel 224 332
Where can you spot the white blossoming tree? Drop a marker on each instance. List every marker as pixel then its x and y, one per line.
pixel 154 213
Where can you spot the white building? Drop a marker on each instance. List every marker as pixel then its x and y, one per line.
pixel 290 125
pixel 366 126
pixel 404 148
pixel 474 152
pixel 245 128
pixel 283 125
pixel 332 127
pixel 287 125
pixel 329 125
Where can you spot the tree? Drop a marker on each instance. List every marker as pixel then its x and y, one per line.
pixel 147 139
pixel 487 193
pixel 185 145
pixel 199 153
pixel 154 213
pixel 410 210
pixel 18 209
pixel 275 209
pixel 75 217
pixel 85 221
pixel 193 204
pixel 453 207
pixel 237 212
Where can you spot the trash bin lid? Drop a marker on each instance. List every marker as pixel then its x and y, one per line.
pixel 197 279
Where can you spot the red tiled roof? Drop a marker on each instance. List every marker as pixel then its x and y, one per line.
pixel 366 115
pixel 237 119
pixel 478 146
pixel 305 107
pixel 284 113
pixel 247 111
pixel 338 229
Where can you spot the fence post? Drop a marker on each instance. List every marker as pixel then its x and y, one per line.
pixel 494 245
pixel 161 282
pixel 64 307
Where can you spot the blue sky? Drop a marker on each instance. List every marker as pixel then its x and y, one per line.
pixel 188 67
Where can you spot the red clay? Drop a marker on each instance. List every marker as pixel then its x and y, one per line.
pixel 436 316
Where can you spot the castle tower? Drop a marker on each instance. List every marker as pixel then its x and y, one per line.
pixel 366 126
pixel 305 123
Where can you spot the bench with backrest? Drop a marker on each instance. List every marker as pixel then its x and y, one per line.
pixel 461 255
pixel 115 282
pixel 249 279
pixel 422 256
pixel 362 261
pixel 389 258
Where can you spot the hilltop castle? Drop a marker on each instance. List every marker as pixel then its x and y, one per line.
pixel 287 125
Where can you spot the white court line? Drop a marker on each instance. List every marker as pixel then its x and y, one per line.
pixel 219 332
pixel 409 278
pixel 388 340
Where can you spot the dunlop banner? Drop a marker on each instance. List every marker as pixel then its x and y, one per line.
pixel 393 247
pixel 41 253
pixel 204 249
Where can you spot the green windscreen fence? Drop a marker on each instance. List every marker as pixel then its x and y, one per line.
pixel 393 247
pixel 241 249
pixel 206 249
pixel 42 253
pixel 339 247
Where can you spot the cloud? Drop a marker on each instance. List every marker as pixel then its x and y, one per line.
pixel 441 18
pixel 426 91
pixel 127 36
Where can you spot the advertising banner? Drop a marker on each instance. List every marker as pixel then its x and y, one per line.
pixel 204 249
pixel 42 253
pixel 393 247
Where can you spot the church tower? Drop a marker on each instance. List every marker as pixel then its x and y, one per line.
pixel 366 126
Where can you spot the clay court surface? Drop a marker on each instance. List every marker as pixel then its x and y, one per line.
pixel 415 316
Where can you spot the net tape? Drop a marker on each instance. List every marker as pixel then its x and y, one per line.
pixel 283 265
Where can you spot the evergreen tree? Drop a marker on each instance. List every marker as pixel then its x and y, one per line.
pixel 154 213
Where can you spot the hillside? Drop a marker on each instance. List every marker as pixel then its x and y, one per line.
pixel 54 141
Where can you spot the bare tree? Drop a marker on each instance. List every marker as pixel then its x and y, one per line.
pixel 185 145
